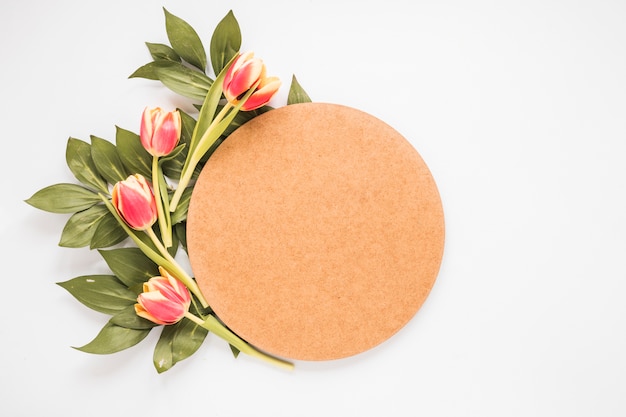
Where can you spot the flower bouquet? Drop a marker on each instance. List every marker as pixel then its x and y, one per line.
pixel 132 201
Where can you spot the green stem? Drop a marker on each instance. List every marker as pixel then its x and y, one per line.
pixel 194 157
pixel 178 271
pixel 215 326
pixel 162 215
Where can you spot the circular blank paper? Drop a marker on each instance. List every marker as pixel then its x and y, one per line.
pixel 315 231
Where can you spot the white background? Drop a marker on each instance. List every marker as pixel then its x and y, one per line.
pixel 518 108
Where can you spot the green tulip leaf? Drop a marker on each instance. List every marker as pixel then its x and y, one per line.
pixel 113 338
pixel 130 265
pixel 297 93
pixel 129 319
pixel 80 162
pixel 107 160
pixel 185 41
pixel 234 350
pixel 180 214
pixel 159 52
pixel 176 343
pixel 80 228
pixel 63 198
pixel 180 230
pixel 225 42
pixel 132 153
pixel 183 80
pixel 103 293
pixel 108 233
pixel 147 71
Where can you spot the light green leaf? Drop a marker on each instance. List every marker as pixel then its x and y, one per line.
pixel 129 319
pixel 80 228
pixel 113 338
pixel 185 41
pixel 177 342
pixel 108 233
pixel 225 42
pixel 130 265
pixel 107 160
pixel 63 198
pixel 183 80
pixel 80 162
pixel 297 93
pixel 132 153
pixel 103 293
pixel 158 51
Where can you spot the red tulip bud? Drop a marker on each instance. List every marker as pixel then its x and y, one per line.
pixel 160 131
pixel 243 74
pixel 164 299
pixel 135 203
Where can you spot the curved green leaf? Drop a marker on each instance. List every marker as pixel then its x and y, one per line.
pixel 225 42
pixel 297 93
pixel 130 265
pixel 113 338
pixel 182 80
pixel 147 71
pixel 80 162
pixel 108 233
pixel 80 228
pixel 132 153
pixel 176 343
pixel 103 293
pixel 128 318
pixel 159 51
pixel 63 198
pixel 185 41
pixel 107 160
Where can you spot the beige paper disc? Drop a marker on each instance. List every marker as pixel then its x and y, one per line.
pixel 315 231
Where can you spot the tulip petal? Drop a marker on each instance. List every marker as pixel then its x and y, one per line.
pixel 266 90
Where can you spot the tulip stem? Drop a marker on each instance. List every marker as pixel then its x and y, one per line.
pixel 178 271
pixel 163 213
pixel 213 325
pixel 195 156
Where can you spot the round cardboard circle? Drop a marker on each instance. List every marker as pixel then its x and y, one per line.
pixel 315 231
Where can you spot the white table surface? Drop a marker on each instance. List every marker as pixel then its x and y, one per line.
pixel 518 108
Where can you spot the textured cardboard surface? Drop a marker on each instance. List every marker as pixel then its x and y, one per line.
pixel 315 231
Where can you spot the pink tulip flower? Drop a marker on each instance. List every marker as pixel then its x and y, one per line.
pixel 135 203
pixel 164 299
pixel 160 131
pixel 242 75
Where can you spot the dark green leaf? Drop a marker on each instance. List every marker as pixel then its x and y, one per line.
pixel 297 93
pixel 158 51
pixel 78 157
pixel 147 71
pixel 130 265
pixel 108 233
pixel 107 160
pixel 234 350
pixel 173 164
pixel 103 293
pixel 183 80
pixel 177 342
pixel 180 214
pixel 128 318
pixel 180 229
pixel 80 228
pixel 113 338
pixel 132 153
pixel 185 41
pixel 63 198
pixel 243 117
pixel 225 42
